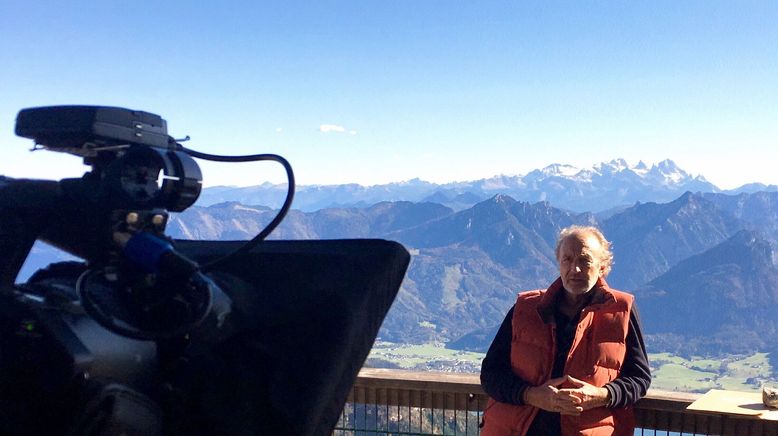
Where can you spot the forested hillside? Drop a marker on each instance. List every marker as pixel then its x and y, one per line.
pixel 702 265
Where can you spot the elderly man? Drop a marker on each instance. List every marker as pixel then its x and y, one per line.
pixel 570 359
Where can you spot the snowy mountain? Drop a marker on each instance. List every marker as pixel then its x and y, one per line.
pixel 603 186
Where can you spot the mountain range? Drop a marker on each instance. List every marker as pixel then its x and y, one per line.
pixel 701 264
pixel 603 186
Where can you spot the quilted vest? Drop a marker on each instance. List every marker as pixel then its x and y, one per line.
pixel 596 356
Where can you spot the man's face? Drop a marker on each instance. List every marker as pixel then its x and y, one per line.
pixel 580 262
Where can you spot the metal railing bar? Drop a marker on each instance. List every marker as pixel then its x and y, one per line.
pixel 467 417
pixel 394 433
pixel 410 423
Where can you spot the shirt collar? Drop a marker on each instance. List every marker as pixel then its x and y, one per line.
pixel 598 295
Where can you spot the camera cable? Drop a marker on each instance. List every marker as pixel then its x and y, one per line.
pixel 248 246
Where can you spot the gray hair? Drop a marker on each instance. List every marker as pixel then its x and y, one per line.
pixel 606 254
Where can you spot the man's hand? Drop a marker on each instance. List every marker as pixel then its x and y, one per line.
pixel 549 397
pixel 585 395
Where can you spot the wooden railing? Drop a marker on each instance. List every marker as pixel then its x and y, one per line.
pixel 394 402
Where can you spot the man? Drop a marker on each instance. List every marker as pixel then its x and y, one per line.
pixel 570 359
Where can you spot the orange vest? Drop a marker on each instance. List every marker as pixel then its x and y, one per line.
pixel 596 356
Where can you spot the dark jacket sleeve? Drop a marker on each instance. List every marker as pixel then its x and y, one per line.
pixel 635 377
pixel 497 377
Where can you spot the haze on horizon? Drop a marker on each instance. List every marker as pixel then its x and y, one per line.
pixel 379 92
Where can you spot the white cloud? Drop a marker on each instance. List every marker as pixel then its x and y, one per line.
pixel 352 132
pixel 279 130
pixel 328 128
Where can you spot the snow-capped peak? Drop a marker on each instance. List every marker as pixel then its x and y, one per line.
pixel 563 170
pixel 614 166
pixel 668 173
pixel 640 169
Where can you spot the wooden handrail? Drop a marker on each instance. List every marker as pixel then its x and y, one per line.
pixel 659 410
pixel 443 382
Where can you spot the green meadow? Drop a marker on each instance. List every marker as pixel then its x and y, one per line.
pixel 412 356
pixel 670 372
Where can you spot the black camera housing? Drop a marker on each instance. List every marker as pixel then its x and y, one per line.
pixel 83 130
pixel 287 327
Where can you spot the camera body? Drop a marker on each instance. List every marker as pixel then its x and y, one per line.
pixel 138 339
pixel 85 343
pixel 63 373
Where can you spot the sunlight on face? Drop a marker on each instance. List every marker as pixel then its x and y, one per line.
pixel 580 262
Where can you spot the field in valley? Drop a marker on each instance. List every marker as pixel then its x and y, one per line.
pixel 670 372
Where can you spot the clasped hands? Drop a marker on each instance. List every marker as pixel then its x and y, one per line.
pixel 566 400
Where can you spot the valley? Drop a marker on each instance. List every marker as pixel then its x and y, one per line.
pixel 669 372
pixel 700 261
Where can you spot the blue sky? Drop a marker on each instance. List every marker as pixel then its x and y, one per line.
pixel 440 90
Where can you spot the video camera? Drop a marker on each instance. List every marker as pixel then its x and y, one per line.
pixel 150 335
